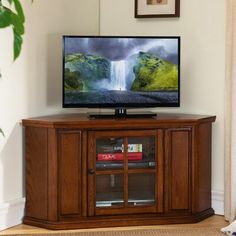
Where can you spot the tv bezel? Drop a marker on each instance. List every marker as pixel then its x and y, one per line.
pixel 119 105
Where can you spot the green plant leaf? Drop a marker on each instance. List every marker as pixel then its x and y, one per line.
pixel 19 10
pixel 2 132
pixel 15 18
pixel 10 1
pixel 5 17
pixel 18 24
pixel 17 44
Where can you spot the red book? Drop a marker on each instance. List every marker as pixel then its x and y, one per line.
pixel 135 156
pixel 132 156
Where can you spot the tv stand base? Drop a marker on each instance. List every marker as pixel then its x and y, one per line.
pixel 121 114
pixel 123 221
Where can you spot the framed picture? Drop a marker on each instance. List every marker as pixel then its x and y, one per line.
pixel 157 8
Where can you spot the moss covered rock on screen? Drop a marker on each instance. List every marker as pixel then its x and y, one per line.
pixel 83 71
pixel 153 73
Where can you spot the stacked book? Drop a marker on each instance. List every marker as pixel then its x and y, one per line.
pixel 134 153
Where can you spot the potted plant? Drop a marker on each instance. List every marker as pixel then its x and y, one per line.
pixel 12 15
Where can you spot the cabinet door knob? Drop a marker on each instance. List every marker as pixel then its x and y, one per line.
pixel 91 171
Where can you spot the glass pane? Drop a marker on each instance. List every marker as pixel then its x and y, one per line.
pixel 109 190
pixel 141 152
pixel 109 153
pixel 141 189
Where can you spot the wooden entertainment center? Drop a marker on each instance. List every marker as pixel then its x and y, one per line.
pixel 84 173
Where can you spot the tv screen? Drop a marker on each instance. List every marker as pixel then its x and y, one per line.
pixel 121 72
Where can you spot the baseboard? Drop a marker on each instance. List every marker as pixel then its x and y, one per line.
pixel 11 213
pixel 217 198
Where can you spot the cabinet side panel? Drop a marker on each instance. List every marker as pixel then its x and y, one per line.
pixel 69 172
pixel 52 175
pixel 204 166
pixel 36 172
pixel 179 169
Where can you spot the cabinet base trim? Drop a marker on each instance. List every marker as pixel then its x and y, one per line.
pixel 115 222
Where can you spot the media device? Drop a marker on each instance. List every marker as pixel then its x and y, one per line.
pixel 121 72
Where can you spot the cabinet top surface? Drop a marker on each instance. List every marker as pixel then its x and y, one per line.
pixel 83 120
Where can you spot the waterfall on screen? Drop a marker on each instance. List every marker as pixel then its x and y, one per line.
pixel 118 75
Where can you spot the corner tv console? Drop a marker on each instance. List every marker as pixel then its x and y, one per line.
pixel 84 173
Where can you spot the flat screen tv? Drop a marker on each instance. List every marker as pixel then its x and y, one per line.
pixel 121 72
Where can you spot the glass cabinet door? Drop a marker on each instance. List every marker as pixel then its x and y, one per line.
pixel 110 190
pixel 109 186
pixel 141 189
pixel 123 170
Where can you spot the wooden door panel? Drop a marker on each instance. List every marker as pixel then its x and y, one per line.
pixel 36 152
pixel 69 172
pixel 179 164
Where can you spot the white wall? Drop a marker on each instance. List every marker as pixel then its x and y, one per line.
pixel 202 29
pixel 32 85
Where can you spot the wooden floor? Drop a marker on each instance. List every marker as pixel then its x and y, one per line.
pixel 214 221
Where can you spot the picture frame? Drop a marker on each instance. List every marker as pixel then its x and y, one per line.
pixel 157 8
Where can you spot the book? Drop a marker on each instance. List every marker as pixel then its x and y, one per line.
pixel 135 147
pixel 102 165
pixel 132 156
pixel 110 148
pixel 131 148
